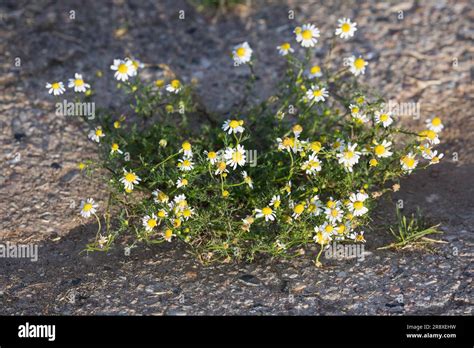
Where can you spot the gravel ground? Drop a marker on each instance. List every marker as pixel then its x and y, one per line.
pixel 424 57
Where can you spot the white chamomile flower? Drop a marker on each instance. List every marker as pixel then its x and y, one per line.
pixel 316 93
pixel 312 165
pixel 115 148
pixel 289 144
pixel 233 126
pixel 284 49
pixel 275 201
pixel 315 71
pixel 408 162
pixel 435 124
pixel 307 35
pixel 429 135
pixel 334 214
pixel 298 209
pixel 434 157
pixel 187 213
pixel 235 156
pixel 356 65
pixel 383 149
pixel 78 83
pixel 136 64
pixel 349 156
pixel 96 134
pixel 174 86
pixel 346 28
pixel 185 164
pixel 88 207
pixel 211 156
pixel 168 235
pixel 186 148
pixel 150 222
pixel 323 233
pixel 383 117
pixel 181 182
pixel 55 88
pixel 360 117
pixel 180 200
pixel 358 237
pixel 160 196
pixel 356 203
pixel 315 205
pixel 221 168
pixel 248 180
pixel 242 53
pixel 124 69
pixel 339 144
pixel 129 179
pixel 266 212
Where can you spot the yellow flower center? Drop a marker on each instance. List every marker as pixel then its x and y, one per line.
pixel 276 204
pixel 186 163
pixel 299 209
pixel 330 204
pixel 383 117
pixel 159 83
pixel 98 132
pixel 177 222
pixel 233 124
pixel 409 161
pixel 307 34
pixel 341 229
pixel 237 156
pixel 123 68
pixel 315 70
pixel 186 146
pixel 116 124
pixel 355 110
pixel 359 63
pixel 130 177
pixel 222 166
pixel 240 52
pixel 285 47
pixel 373 162
pixel 168 233
pixel 358 205
pixel 334 212
pixel 184 182
pixel 151 223
pixel 79 82
pixel 436 121
pixel 328 228
pixel 288 142
pixel 345 27
pixel 187 213
pixel 318 93
pixel 380 150
pixel 348 154
pixel 115 147
pixel 316 146
pixel 161 214
pixel 175 84
pixel 55 85
pixel 267 211
pixel 211 155
pixel 87 207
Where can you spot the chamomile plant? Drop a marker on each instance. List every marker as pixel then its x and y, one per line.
pixel 304 167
